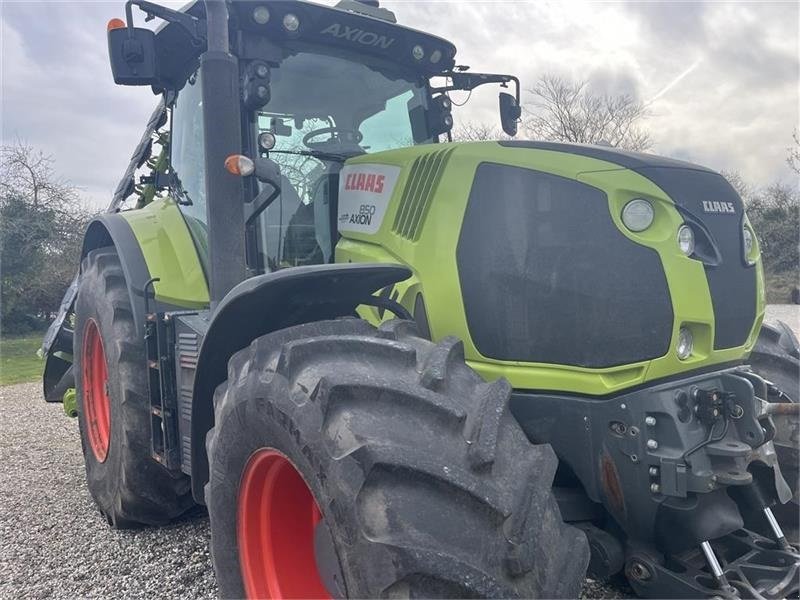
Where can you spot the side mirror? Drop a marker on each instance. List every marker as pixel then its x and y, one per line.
pixel 132 52
pixel 510 112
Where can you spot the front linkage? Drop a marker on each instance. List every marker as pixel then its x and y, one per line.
pixel 687 469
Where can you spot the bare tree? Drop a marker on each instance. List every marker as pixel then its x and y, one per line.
pixel 566 111
pixel 794 152
pixel 474 131
pixel 745 190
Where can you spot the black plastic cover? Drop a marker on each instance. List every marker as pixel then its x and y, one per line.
pixel 732 283
pixel 699 192
pixel 546 276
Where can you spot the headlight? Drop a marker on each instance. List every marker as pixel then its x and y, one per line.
pixel 436 56
pixel 418 53
pixel 638 214
pixel 685 343
pixel 261 15
pixel 686 239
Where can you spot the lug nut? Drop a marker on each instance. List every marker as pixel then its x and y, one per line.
pixel 653 471
pixel 655 488
pixel 650 421
pixel 652 444
pixel 639 571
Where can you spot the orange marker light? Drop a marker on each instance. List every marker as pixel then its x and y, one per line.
pixel 115 24
pixel 238 164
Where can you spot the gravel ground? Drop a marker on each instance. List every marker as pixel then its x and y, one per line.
pixel 54 543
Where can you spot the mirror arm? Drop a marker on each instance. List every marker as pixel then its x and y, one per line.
pixel 260 203
pixel 191 24
pixel 268 172
pixel 469 81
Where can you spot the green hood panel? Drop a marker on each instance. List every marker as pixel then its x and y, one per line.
pixel 421 226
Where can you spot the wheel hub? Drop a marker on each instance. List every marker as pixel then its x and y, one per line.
pixel 96 403
pixel 276 521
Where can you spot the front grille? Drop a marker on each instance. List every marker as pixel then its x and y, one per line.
pixel 419 191
pixel 547 277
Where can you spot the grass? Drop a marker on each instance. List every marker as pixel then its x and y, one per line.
pixel 18 360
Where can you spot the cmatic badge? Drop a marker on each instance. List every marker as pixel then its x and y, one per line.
pixel 364 194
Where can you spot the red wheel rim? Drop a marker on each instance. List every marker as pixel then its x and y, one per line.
pixel 96 404
pixel 276 518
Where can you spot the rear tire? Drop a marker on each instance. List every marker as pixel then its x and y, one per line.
pixel 426 484
pixel 128 486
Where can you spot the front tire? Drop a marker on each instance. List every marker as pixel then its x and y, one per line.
pixel 352 462
pixel 776 358
pixel 128 486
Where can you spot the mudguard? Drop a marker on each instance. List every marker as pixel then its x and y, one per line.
pixel 153 242
pixel 105 230
pixel 267 303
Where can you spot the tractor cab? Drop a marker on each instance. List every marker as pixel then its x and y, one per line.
pixel 317 85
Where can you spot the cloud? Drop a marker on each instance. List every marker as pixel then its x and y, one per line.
pixel 722 76
pixel 58 95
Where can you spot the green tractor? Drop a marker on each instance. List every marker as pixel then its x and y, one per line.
pixel 391 365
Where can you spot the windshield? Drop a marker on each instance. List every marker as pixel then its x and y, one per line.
pixel 368 110
pixel 323 109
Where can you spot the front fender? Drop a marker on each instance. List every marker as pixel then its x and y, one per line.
pixel 108 229
pixel 152 242
pixel 268 303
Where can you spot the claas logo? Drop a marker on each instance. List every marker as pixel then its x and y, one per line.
pixel 364 182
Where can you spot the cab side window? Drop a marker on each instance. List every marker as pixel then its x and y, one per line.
pixel 187 160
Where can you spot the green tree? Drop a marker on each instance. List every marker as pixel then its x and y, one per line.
pixel 775 215
pixel 41 228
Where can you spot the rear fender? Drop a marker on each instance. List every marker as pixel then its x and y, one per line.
pixel 268 303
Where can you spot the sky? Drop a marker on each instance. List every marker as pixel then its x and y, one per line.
pixel 721 79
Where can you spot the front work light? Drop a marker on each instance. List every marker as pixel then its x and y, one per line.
pixel 686 239
pixel 685 343
pixel 266 141
pixel 261 15
pixel 638 215
pixel 291 22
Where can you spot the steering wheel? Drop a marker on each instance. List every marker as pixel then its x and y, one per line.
pixel 337 135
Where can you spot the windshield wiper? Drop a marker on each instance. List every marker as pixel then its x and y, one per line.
pixel 334 156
